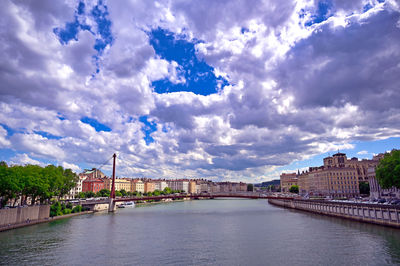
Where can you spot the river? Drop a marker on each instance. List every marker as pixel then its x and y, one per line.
pixel 201 232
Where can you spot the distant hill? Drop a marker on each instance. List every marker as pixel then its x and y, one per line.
pixel 268 183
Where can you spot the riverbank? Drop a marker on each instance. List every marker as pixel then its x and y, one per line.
pixel 141 204
pixel 386 215
pixel 29 222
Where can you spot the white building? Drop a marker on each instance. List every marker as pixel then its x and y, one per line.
pixel 78 188
pixel 376 192
pixel 160 185
pixel 179 185
pixel 138 186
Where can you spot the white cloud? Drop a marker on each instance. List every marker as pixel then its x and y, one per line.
pixel 296 91
pixel 362 152
pixel 71 166
pixel 23 159
pixel 4 142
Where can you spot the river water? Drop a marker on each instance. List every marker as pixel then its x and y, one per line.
pixel 202 232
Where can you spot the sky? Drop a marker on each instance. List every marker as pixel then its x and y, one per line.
pixel 238 90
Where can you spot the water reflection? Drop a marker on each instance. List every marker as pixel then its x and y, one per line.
pixel 214 232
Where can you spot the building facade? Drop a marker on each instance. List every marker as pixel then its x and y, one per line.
pixel 137 186
pixel 376 192
pixel 120 184
pixel 149 187
pixel 339 177
pixel 92 184
pixel 182 185
pixel 288 180
pixel 78 188
pixel 160 185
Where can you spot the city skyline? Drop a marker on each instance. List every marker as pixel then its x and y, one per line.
pixel 228 91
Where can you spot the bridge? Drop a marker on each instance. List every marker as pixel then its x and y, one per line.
pixel 110 203
pixel 113 200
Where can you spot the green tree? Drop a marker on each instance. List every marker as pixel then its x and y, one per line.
pixel 250 187
pixel 9 187
pixel 56 209
pixel 167 191
pixel 89 194
pixel 157 193
pixel 118 193
pixel 104 193
pixel 77 208
pixel 123 192
pixel 388 170
pixel 294 189
pixel 81 195
pixel 364 188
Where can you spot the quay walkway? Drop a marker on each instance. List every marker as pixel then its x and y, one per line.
pixel 388 215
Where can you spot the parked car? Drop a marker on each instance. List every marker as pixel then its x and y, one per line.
pixel 395 202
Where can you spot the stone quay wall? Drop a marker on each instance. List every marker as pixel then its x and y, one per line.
pixel 23 215
pixel 387 215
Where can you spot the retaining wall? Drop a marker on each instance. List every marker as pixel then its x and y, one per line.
pixel 23 215
pixel 371 213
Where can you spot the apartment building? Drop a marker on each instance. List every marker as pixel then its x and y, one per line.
pixel 92 184
pixel 288 180
pixel 149 187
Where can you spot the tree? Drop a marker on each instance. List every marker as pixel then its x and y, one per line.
pixel 77 208
pixel 104 193
pixel 364 188
pixel 89 194
pixel 167 191
pixel 294 189
pixel 8 186
pixel 81 195
pixel 123 192
pixel 250 187
pixel 388 170
pixel 118 193
pixel 55 209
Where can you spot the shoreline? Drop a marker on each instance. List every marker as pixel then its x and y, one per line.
pixel 388 216
pixel 29 223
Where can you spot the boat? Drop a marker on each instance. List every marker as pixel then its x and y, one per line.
pixel 129 204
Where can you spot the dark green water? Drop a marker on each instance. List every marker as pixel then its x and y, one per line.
pixel 207 232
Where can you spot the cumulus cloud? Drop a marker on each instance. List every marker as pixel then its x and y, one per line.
pixel 23 159
pixel 71 166
pixel 4 142
pixel 300 82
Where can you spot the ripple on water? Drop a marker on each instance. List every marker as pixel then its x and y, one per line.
pixel 207 232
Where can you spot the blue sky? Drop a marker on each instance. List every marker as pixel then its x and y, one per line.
pixel 177 90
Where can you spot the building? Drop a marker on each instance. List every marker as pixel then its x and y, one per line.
pixel 376 192
pixel 288 180
pixel 214 188
pixel 160 185
pixel 180 184
pixel 339 160
pixel 137 185
pixel 338 177
pixel 92 184
pixel 120 184
pixel 149 187
pixel 93 173
pixel 243 187
pixel 335 182
pixel 78 188
pixel 192 187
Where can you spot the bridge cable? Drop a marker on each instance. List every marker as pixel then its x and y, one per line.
pixel 108 160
